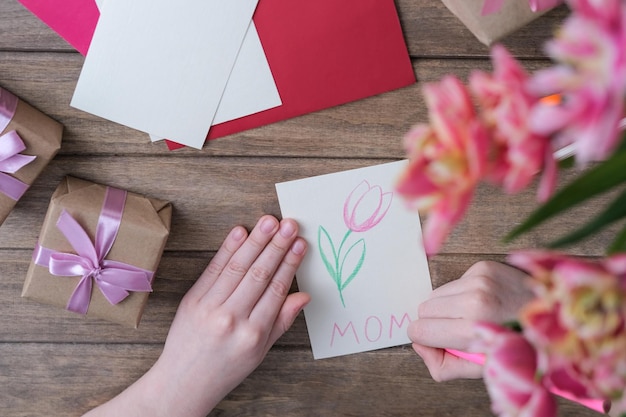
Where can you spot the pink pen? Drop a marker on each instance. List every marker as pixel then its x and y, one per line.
pixel 597 405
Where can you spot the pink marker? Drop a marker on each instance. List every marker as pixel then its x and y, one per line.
pixel 597 405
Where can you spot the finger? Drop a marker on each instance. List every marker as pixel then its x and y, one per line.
pixel 467 281
pixel 474 305
pixel 272 299
pixel 444 366
pixel 231 244
pixel 289 311
pixel 241 261
pixel 261 274
pixel 443 333
pixel 454 287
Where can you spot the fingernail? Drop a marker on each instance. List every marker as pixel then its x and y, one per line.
pixel 238 233
pixel 268 225
pixel 298 247
pixel 287 229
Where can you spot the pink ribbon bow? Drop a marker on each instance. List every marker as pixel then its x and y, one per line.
pixel 115 279
pixel 492 6
pixel 11 145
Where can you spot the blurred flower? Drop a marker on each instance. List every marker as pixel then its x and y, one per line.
pixel 574 331
pixel 510 373
pixel 517 153
pixel 492 6
pixel 590 76
pixel 577 321
pixel 539 5
pixel 365 207
pixel 446 160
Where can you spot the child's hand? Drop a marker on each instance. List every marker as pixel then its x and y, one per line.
pixel 488 291
pixel 225 324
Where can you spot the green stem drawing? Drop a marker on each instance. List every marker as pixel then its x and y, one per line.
pixel 336 267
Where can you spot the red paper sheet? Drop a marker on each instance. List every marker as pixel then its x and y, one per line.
pixel 322 53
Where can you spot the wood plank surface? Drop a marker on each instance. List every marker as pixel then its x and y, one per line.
pixel 56 363
pixel 391 382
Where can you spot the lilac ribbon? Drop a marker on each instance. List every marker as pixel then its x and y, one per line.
pixel 11 145
pixel 115 279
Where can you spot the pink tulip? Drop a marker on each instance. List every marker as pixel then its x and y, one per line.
pixel 591 78
pixel 518 154
pixel 446 160
pixel 578 321
pixel 365 207
pixel 510 374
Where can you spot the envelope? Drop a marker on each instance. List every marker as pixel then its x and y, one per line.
pixel 322 53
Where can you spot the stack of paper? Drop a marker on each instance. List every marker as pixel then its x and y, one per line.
pixel 307 56
pixel 163 67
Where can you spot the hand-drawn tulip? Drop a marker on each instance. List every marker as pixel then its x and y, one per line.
pixel 363 209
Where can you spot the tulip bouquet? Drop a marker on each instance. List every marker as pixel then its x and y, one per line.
pixel 506 127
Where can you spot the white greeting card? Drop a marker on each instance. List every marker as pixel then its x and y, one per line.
pixel 162 67
pixel 366 268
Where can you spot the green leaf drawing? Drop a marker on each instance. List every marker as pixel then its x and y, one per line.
pixel 357 265
pixel 330 266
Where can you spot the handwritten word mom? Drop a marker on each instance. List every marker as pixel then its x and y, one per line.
pixel 372 329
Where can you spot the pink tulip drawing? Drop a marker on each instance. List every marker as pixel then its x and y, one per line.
pixel 363 209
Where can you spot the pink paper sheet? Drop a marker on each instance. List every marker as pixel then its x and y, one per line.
pixel 322 53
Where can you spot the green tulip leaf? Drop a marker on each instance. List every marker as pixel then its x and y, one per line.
pixel 615 211
pixel 567 162
pixel 597 180
pixel 618 244
pixel 622 144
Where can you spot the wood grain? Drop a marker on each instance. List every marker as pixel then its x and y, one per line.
pixel 391 382
pixel 57 363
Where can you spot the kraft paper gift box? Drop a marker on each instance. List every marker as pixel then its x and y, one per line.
pixel 107 270
pixel 513 15
pixel 28 141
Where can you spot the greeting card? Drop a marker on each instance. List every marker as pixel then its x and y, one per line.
pixel 366 268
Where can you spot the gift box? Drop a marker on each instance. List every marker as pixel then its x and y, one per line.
pixel 491 27
pixel 28 141
pixel 98 251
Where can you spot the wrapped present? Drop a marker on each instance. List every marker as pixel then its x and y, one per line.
pixel 490 23
pixel 98 251
pixel 28 141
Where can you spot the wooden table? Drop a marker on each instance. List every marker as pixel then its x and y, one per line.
pixel 56 363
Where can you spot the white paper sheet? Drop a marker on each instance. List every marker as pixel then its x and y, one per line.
pixel 162 67
pixel 384 272
pixel 251 87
